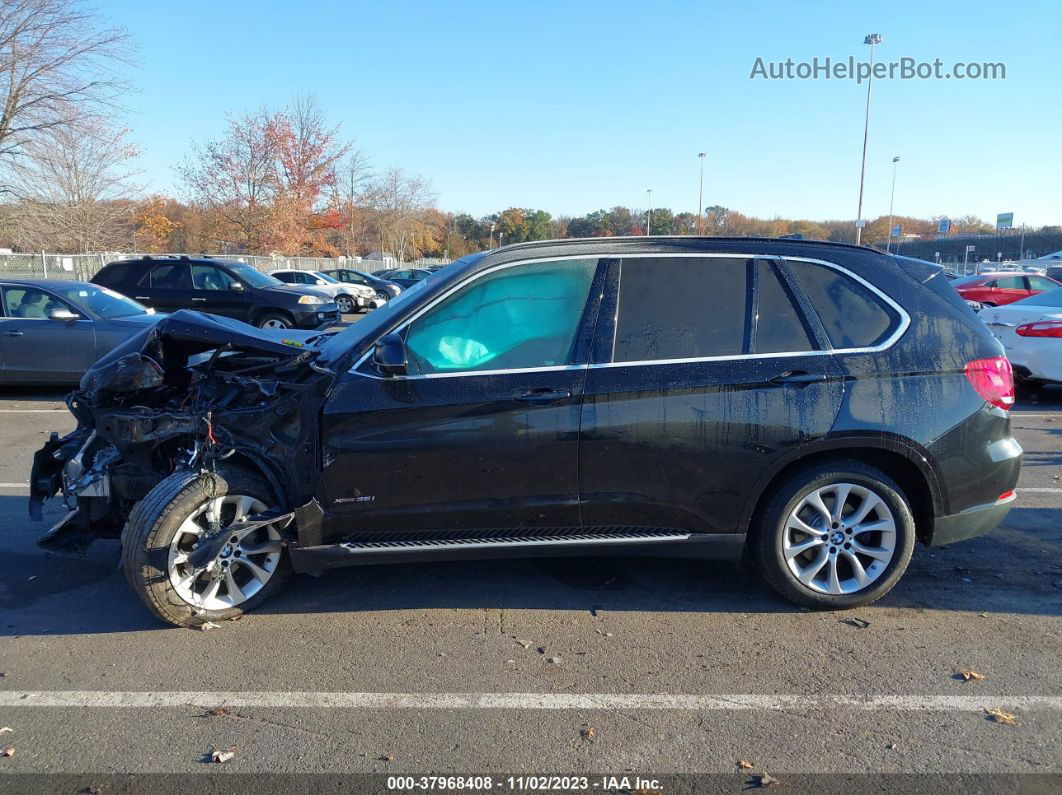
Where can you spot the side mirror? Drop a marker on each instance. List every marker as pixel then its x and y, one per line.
pixel 63 314
pixel 236 287
pixel 390 355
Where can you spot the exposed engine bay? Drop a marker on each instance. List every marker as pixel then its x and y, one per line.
pixel 186 394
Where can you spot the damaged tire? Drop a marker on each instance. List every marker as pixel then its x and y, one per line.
pixel 185 511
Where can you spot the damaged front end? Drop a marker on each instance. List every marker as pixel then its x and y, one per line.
pixel 188 393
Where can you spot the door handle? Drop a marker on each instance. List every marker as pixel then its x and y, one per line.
pixel 141 298
pixel 797 378
pixel 199 299
pixel 12 333
pixel 544 396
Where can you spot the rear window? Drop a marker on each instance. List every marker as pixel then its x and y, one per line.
pixel 114 274
pixel 682 308
pixel 853 316
pixel 779 325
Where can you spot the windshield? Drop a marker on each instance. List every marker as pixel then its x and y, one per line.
pixel 100 301
pixel 965 280
pixel 325 276
pixel 1052 298
pixel 253 277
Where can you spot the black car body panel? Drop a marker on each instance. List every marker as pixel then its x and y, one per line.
pixel 565 456
pixel 215 286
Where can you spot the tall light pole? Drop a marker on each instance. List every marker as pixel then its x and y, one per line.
pixel 700 192
pixel 892 197
pixel 492 234
pixel 649 212
pixel 871 39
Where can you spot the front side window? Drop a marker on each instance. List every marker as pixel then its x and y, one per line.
pixel 1041 283
pixel 682 308
pixel 520 317
pixel 207 277
pixel 853 316
pixel 31 303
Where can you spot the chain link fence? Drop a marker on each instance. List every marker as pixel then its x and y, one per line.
pixel 82 267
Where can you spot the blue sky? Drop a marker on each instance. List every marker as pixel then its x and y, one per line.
pixel 574 106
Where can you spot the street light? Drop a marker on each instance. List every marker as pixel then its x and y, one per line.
pixel 700 193
pixel 492 234
pixel 892 196
pixel 649 212
pixel 871 39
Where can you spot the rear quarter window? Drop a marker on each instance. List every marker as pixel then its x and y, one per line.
pixel 852 315
pixel 115 274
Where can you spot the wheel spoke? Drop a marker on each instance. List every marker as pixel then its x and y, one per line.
pixel 880 553
pixel 266 547
pixel 877 526
pixel 236 594
pixel 835 582
pixel 859 572
pixel 211 590
pixel 798 524
pixel 840 498
pixel 256 571
pixel 792 551
pixel 813 568
pixel 243 505
pixel 870 502
pixel 815 501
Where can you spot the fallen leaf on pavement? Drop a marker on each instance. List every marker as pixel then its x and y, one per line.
pixel 862 623
pixel 90 791
pixel 9 750
pixel 208 625
pixel 588 732
pixel 220 756
pixel 744 764
pixel 971 676
pixel 524 643
pixel 6 729
pixel 999 716
pixel 387 757
pixel 219 712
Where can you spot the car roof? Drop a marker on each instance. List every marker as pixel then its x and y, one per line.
pixel 50 284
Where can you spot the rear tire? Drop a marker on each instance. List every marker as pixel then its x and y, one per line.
pixel 157 534
pixel 828 558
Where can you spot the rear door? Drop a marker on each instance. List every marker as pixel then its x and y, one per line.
pixel 36 347
pixel 1008 289
pixel 704 372
pixel 165 287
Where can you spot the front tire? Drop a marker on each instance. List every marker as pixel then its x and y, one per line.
pixel 275 320
pixel 344 304
pixel 178 513
pixel 835 536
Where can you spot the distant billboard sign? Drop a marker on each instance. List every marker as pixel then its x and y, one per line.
pixel 1005 221
pixel 943 226
pixel 896 231
pixel 861 223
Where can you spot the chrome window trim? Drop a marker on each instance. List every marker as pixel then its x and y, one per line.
pixel 901 327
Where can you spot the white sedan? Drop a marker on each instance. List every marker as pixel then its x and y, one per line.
pixel 1031 333
pixel 348 297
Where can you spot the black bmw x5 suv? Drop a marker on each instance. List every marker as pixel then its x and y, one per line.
pixel 820 408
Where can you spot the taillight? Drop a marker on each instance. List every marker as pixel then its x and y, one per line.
pixel 993 380
pixel 1041 328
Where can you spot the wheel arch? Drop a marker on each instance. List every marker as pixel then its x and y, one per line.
pixel 261 312
pixel 907 466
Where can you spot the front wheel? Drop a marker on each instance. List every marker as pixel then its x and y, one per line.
pixel 345 305
pixel 178 517
pixel 275 321
pixel 835 536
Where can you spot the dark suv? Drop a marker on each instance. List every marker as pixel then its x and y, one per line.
pixel 817 407
pixel 220 287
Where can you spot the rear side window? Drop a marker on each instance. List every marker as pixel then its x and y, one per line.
pixel 853 316
pixel 115 274
pixel 1011 283
pixel 682 308
pixel 169 276
pixel 779 325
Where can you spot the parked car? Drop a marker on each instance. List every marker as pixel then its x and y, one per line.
pixel 557 398
pixel 385 290
pixel 52 330
pixel 405 277
pixel 220 287
pixel 348 297
pixel 1031 333
pixel 998 289
pixel 1054 272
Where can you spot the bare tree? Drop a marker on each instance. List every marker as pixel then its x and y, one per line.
pixel 399 203
pixel 75 186
pixel 58 65
pixel 350 182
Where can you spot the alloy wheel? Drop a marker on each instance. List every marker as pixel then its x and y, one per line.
pixel 839 539
pixel 245 564
pixel 346 306
pixel 274 323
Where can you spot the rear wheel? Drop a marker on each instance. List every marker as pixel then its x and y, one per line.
pixel 185 511
pixel 835 536
pixel 275 320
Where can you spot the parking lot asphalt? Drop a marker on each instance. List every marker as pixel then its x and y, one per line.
pixel 540 666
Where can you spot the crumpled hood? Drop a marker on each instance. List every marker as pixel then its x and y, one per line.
pixel 170 342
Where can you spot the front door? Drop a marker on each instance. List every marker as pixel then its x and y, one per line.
pixel 481 435
pixel 709 374
pixel 218 292
pixel 166 287
pixel 37 347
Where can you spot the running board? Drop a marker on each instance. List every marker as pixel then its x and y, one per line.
pixel 352 553
pixel 370 547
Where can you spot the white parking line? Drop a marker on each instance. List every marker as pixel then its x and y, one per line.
pixel 34 411
pixel 537 701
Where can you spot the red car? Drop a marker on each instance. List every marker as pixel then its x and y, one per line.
pixel 997 289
